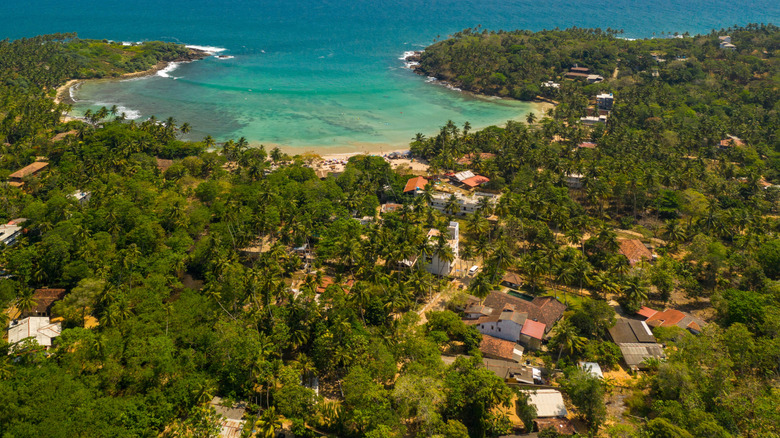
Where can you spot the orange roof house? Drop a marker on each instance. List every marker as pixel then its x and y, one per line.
pixel 475 181
pixel 415 184
pixel 634 250
pixel 671 317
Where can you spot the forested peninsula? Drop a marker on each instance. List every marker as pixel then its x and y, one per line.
pixel 609 268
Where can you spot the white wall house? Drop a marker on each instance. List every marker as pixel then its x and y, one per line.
pixel 436 265
pixel 467 204
pixel 36 327
pixel 505 326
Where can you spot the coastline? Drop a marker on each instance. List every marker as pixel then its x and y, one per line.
pixel 411 60
pixel 62 94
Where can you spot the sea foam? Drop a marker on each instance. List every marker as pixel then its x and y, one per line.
pixel 166 72
pixel 211 50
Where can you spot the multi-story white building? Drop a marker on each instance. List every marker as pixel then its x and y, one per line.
pixel 604 101
pixel 435 264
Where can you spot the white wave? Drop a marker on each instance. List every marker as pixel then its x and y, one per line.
pixel 211 50
pixel 430 79
pixel 411 64
pixel 72 90
pixel 130 114
pixel 407 54
pixel 224 57
pixel 166 72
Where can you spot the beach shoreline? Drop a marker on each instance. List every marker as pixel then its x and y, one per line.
pixel 62 94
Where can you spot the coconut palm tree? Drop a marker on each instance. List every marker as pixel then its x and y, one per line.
pixel 567 338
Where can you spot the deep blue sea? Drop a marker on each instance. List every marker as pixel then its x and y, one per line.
pixel 326 75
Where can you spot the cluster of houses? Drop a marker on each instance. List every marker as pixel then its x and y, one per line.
pixel 635 337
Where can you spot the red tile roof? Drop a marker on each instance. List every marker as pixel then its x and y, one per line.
pixel 646 312
pixel 587 145
pixel 497 347
pixel 533 329
pixel 415 183
pixel 475 181
pixel 327 281
pixel 634 250
pixel 671 317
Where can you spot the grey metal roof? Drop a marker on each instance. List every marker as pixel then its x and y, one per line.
pixel 635 353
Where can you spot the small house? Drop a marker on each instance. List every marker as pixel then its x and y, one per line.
pixel 416 184
pixel 635 251
pixel 511 280
pixel 495 348
pixel 548 403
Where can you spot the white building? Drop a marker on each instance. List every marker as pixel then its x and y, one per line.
pixel 593 120
pixel 551 84
pixel 36 327
pixel 467 204
pixel 436 265
pixel 604 101
pixel 81 197
pixel 594 79
pixel 9 233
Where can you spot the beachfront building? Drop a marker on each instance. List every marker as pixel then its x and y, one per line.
pixel 435 263
pixel 604 101
pixel 468 179
pixel 466 204
pixel 725 43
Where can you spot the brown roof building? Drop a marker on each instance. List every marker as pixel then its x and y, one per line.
pixel 546 310
pixel 45 299
pixel 33 169
pixel 495 348
pixel 635 251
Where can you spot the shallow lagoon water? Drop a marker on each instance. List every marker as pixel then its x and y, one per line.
pixel 326 74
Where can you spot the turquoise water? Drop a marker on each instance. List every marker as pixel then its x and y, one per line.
pixel 326 74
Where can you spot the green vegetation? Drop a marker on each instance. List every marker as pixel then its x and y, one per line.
pixel 183 282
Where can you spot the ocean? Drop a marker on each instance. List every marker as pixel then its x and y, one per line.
pixel 326 75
